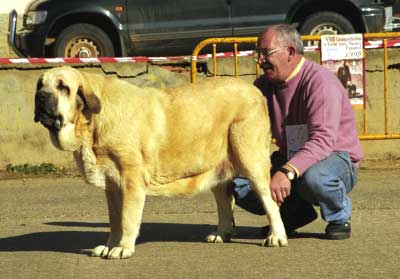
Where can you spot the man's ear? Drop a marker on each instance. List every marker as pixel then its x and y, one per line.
pixel 292 50
pixel 90 100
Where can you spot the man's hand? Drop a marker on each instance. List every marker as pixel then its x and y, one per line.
pixel 280 187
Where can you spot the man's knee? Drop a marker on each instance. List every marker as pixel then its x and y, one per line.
pixel 313 184
pixel 312 179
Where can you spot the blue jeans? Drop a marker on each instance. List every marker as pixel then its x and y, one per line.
pixel 327 184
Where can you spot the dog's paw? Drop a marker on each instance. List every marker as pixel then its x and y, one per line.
pixel 99 251
pixel 120 253
pixel 115 253
pixel 275 241
pixel 219 237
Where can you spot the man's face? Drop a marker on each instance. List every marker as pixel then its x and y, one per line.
pixel 273 57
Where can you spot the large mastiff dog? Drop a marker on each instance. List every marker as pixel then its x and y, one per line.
pixel 143 141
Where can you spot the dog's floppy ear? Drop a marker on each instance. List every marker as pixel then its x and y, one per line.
pixel 39 85
pixel 90 100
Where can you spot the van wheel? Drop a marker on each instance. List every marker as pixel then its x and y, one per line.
pixel 326 23
pixel 83 40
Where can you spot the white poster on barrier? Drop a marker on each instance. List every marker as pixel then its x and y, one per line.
pixel 344 56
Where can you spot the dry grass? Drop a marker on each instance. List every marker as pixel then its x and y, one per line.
pixel 5 51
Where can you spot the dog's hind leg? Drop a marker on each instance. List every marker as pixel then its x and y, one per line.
pixel 250 141
pixel 225 204
pixel 277 235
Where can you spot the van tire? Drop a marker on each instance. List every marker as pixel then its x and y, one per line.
pixel 326 23
pixel 83 40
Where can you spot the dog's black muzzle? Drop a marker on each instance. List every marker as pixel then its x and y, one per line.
pixel 46 111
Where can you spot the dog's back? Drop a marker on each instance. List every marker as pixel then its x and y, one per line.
pixel 192 131
pixel 201 117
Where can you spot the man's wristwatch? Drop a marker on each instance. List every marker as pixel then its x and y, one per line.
pixel 289 174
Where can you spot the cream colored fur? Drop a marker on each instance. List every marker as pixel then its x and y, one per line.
pixel 141 141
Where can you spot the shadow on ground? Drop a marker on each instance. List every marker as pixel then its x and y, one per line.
pixel 79 242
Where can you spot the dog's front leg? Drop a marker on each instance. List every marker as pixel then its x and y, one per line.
pixel 225 204
pixel 133 198
pixel 87 164
pixel 114 202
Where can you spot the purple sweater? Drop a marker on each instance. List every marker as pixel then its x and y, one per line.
pixel 315 97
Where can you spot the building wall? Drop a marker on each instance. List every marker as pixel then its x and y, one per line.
pixel 7 6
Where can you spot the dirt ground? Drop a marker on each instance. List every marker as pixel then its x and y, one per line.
pixel 48 224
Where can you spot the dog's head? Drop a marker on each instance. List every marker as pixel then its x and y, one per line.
pixel 62 94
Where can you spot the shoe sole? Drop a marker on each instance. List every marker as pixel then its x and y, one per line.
pixel 338 236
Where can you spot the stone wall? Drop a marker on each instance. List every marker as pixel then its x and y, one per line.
pixel 23 141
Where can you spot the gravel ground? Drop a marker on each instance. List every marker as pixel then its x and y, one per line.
pixel 48 224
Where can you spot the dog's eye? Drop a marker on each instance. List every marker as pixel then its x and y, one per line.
pixel 62 86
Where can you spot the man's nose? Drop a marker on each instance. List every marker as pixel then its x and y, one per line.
pixel 260 59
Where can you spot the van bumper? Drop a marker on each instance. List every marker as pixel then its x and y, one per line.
pixel 25 43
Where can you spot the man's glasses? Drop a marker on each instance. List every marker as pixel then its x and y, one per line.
pixel 263 53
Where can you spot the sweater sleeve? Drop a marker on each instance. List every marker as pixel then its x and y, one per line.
pixel 323 105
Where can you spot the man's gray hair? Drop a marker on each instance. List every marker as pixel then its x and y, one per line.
pixel 288 35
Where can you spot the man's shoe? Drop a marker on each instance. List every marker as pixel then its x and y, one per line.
pixel 337 231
